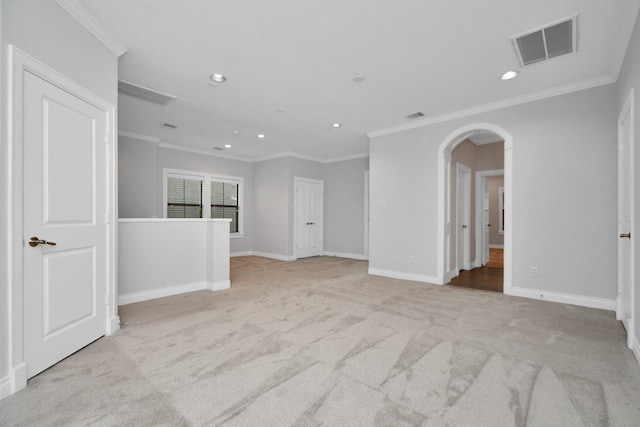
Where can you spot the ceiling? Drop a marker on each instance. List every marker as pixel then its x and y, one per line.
pixel 290 65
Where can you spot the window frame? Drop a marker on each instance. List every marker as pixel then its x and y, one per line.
pixel 206 179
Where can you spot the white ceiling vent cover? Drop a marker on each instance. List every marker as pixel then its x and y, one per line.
pixel 145 93
pixel 549 41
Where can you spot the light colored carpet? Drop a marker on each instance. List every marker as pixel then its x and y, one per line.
pixel 319 342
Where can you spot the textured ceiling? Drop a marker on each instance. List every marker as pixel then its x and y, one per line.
pixel 437 57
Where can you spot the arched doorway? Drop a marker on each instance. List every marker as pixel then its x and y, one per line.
pixel 444 198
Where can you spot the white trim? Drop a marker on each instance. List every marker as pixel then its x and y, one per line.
pixel 463 187
pixel 635 348
pixel 404 276
pixel 444 197
pixel 138 220
pixel 132 297
pixel 310 158
pixel 219 286
pixel 583 301
pixel 237 254
pixel 367 211
pixel 496 246
pixel 201 151
pixel 509 102
pixel 278 257
pixel 345 158
pixel 361 257
pixel 19 63
pixel 451 274
pixel 139 136
pixel 82 15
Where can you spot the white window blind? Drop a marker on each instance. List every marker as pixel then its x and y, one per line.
pixel 224 202
pixel 184 197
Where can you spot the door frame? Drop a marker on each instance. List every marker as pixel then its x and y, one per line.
pixel 366 213
pixel 296 180
pixel 628 110
pixel 444 199
pixel 465 186
pixel 19 63
pixel 481 176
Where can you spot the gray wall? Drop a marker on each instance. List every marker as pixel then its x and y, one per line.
pixel 271 205
pixel 564 154
pixel 630 78
pixel 46 32
pixel 344 206
pixel 140 184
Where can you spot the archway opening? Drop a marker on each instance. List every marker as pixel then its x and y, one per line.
pixel 451 231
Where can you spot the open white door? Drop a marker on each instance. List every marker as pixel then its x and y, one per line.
pixel 485 220
pixel 624 302
pixel 308 208
pixel 463 217
pixel 65 201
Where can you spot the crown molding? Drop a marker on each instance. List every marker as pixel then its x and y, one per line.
pixel 510 102
pixel 82 15
pixel 139 136
pixel 311 158
pixel 200 151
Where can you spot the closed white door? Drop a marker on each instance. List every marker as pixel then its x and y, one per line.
pixel 624 302
pixel 308 217
pixel 65 203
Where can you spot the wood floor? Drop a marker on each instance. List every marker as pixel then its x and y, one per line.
pixel 488 278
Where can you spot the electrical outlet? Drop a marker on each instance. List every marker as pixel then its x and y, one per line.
pixel 412 259
pixel 534 271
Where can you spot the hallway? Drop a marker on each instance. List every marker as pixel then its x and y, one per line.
pixel 488 278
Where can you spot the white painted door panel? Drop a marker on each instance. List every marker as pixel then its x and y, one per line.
pixel 485 221
pixel 624 309
pixel 65 202
pixel 308 214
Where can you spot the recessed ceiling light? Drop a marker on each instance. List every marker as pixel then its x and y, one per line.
pixel 218 78
pixel 236 131
pixel 358 78
pixel 509 75
pixel 227 145
pixel 336 125
pixel 260 135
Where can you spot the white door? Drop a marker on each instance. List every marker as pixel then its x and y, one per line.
pixel 308 217
pixel 65 202
pixel 485 220
pixel 624 309
pixel 463 217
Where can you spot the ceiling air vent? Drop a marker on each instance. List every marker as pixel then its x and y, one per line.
pixel 555 39
pixel 415 115
pixel 145 93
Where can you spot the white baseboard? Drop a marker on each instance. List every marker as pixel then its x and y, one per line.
pixel 246 253
pixel 125 299
pixel 404 276
pixel 592 302
pixel 635 347
pixel 113 325
pixel 5 387
pixel 219 286
pixel 496 246
pixel 345 255
pixel 450 275
pixel 279 257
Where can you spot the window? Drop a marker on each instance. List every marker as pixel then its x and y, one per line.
pixel 186 194
pixel 224 201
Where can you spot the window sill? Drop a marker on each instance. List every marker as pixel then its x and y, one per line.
pixel 236 236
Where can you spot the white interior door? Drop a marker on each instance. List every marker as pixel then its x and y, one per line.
pixel 485 220
pixel 65 201
pixel 308 206
pixel 463 217
pixel 625 306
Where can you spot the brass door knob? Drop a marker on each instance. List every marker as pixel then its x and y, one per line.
pixel 34 241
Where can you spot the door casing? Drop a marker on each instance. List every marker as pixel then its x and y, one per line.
pixel 20 63
pixel 482 245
